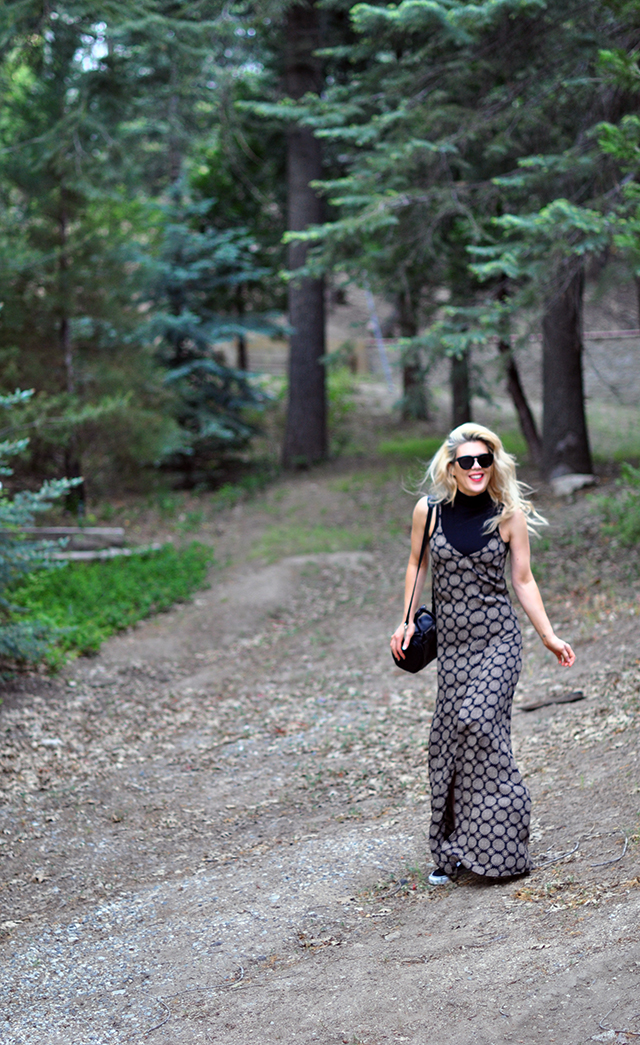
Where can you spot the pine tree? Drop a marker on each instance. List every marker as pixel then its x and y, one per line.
pixel 67 279
pixel 98 118
pixel 240 169
pixel 300 71
pixel 305 440
pixel 199 277
pixel 444 102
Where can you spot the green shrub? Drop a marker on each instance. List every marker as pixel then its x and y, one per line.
pixel 341 386
pixel 21 640
pixel 85 602
pixel 621 510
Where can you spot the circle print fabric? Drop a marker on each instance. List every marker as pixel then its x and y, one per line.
pixel 480 807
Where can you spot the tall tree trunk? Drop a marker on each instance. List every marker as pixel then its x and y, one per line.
pixel 527 421
pixel 565 440
pixel 242 356
pixel 460 390
pixel 414 397
pixel 305 438
pixel 175 287
pixel 174 152
pixel 75 499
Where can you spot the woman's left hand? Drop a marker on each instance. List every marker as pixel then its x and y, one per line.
pixel 562 650
pixel 401 638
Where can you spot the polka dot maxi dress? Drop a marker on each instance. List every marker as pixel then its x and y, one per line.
pixel 480 807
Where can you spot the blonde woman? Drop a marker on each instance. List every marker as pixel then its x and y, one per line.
pixel 480 806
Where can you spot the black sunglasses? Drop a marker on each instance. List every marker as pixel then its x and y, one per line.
pixel 466 462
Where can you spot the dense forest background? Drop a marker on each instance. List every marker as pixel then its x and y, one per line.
pixel 179 176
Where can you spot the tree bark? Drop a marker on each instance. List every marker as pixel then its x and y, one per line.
pixel 242 351
pixel 174 151
pixel 75 499
pixel 242 356
pixel 527 421
pixel 565 440
pixel 414 397
pixel 305 440
pixel 460 390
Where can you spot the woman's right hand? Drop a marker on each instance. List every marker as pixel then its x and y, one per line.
pixel 561 649
pixel 401 639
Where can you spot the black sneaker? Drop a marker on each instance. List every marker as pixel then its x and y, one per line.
pixel 438 877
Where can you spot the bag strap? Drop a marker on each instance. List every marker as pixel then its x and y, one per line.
pixel 425 538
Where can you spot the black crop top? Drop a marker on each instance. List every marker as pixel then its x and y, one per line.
pixel 463 521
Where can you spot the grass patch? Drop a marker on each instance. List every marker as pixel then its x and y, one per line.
pixel 85 602
pixel 247 487
pixel 621 511
pixel 278 542
pixel 515 443
pixel 410 449
pixel 614 432
pixel 341 386
pixel 371 479
pixel 414 449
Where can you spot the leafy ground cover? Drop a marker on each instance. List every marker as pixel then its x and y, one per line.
pixel 621 510
pixel 83 603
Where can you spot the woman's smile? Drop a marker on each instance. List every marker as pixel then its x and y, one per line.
pixel 476 480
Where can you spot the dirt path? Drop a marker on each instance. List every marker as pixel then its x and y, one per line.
pixel 216 830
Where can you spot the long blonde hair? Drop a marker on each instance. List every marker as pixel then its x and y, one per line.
pixel 504 488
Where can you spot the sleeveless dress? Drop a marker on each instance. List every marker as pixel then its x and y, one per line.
pixel 480 807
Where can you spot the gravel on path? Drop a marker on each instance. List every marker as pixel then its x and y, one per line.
pixel 216 831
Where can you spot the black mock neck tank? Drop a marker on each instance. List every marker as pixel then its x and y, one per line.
pixel 464 521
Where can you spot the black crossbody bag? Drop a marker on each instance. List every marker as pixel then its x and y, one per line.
pixel 423 646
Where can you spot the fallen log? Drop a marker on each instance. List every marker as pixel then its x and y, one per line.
pixel 103 553
pixel 78 538
pixel 559 698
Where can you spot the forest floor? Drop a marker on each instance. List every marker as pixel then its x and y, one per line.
pixel 216 830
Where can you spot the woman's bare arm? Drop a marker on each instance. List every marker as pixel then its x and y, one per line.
pixel 514 532
pixel 400 637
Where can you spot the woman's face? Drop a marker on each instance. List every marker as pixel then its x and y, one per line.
pixel 475 480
